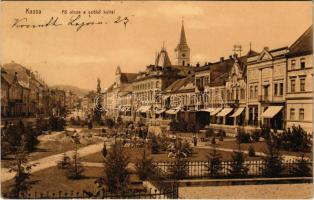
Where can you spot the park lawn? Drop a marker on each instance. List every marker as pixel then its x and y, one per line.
pixel 54 180
pixel 44 149
pixel 258 146
pixel 134 154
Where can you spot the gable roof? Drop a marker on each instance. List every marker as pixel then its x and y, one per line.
pixel 127 77
pixel 303 45
pixel 178 84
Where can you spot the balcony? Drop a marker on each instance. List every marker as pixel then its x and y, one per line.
pixel 263 98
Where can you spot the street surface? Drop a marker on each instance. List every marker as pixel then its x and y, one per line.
pixel 271 191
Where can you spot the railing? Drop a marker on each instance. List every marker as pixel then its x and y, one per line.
pixel 149 194
pixel 199 169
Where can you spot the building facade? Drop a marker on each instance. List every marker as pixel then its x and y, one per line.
pixel 299 96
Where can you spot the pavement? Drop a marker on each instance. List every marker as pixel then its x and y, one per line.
pixel 271 191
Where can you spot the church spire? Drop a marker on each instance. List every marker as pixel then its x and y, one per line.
pixel 182 50
pixel 182 36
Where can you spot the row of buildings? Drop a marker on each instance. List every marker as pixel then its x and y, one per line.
pixel 24 94
pixel 272 87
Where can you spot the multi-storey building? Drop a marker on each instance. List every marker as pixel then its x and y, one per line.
pixel 148 85
pixel 122 85
pixel 266 82
pixel 299 96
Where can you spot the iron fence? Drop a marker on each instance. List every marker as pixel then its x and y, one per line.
pixel 200 169
pixel 148 194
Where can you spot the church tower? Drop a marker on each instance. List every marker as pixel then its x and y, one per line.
pixel 183 50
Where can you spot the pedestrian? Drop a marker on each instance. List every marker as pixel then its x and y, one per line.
pixel 195 140
pixel 104 150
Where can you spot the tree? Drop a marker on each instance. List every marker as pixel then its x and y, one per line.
pixel 22 168
pixel 75 168
pixel 273 160
pixel 104 150
pixel 238 169
pixel 65 162
pixel 145 165
pixel 214 163
pixel 116 173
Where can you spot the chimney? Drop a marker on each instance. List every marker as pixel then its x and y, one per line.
pixel 197 64
pixel 222 59
pixel 266 48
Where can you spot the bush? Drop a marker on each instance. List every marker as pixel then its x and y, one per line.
pixel 294 139
pixel 65 162
pixel 56 123
pixel 302 168
pixel 251 151
pixel 221 133
pixel 154 145
pixel 237 167
pixel 242 137
pixel 214 163
pixel 109 123
pixel 145 165
pixel 179 168
pixel 256 135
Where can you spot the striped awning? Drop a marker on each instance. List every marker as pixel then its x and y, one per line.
pixel 214 112
pixel 271 111
pixel 237 112
pixel 224 112
pixel 210 110
pixel 143 109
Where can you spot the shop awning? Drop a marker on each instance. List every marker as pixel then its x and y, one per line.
pixel 172 111
pixel 127 108
pixel 122 108
pixel 210 110
pixel 237 112
pixel 160 111
pixel 224 112
pixel 214 112
pixel 271 111
pixel 145 109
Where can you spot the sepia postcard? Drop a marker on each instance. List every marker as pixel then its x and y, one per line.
pixel 156 99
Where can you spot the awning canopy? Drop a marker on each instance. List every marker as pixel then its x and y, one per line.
pixel 122 108
pixel 143 109
pixel 210 110
pixel 127 108
pixel 224 112
pixel 173 111
pixel 160 111
pixel 214 112
pixel 237 112
pixel 271 111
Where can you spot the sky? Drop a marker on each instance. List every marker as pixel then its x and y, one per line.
pixel 63 55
